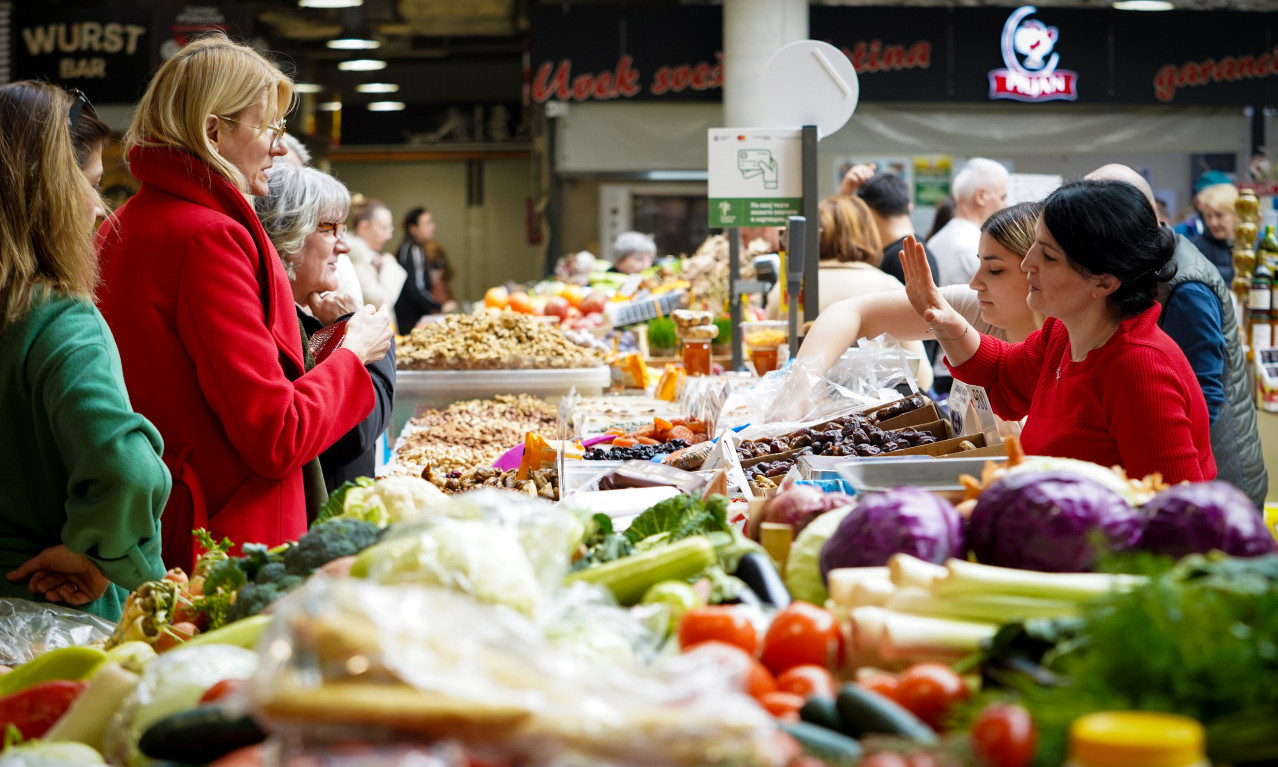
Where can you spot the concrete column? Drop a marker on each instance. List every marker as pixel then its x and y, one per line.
pixel 753 30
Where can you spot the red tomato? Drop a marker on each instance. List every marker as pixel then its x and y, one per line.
pixel 807 680
pixel 883 684
pixel 929 691
pixel 758 681
pixel 719 623
pixel 885 759
pixel 222 689
pixel 1004 736
pixel 783 705
pixel 801 634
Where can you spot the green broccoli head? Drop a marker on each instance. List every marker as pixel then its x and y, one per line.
pixel 270 573
pixel 340 537
pixel 254 598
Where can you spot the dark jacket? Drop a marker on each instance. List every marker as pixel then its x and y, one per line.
pixel 417 298
pixel 1219 253
pixel 1235 440
pixel 355 453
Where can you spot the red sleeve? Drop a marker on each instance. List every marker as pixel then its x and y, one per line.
pixel 1009 372
pixel 276 424
pixel 1152 394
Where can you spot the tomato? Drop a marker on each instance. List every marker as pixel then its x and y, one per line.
pixel 783 705
pixel 800 634
pixel 758 681
pixel 883 684
pixel 885 759
pixel 807 680
pixel 496 298
pixel 222 689
pixel 1004 736
pixel 722 623
pixel 520 302
pixel 930 690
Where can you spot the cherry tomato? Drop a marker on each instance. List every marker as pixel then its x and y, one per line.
pixel 884 684
pixel 801 634
pixel 222 689
pixel 783 705
pixel 929 690
pixel 719 623
pixel 807 680
pixel 885 759
pixel 1004 736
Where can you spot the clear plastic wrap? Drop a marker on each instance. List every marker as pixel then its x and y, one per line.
pixel 873 366
pixel 350 659
pixel 29 629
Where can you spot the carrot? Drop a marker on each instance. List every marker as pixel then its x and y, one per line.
pixel 646 441
pixel 624 442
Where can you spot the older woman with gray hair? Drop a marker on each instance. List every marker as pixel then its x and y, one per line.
pixel 303 214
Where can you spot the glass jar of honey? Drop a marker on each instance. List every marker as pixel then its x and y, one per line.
pixel 764 359
pixel 696 358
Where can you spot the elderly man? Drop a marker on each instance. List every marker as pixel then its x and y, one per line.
pixel 380 276
pixel 979 190
pixel 1199 316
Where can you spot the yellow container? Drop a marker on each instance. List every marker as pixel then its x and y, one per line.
pixel 1271 518
pixel 1136 739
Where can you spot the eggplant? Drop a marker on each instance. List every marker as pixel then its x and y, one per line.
pixel 756 570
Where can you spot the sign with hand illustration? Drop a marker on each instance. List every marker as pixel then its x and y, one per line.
pixel 755 176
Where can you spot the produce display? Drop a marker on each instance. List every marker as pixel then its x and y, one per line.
pixel 468 435
pixel 459 613
pixel 501 341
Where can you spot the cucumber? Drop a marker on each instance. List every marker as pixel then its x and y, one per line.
pixel 70 663
pixel 630 577
pixel 863 711
pixel 822 712
pixel 826 745
pixel 757 571
pixel 202 734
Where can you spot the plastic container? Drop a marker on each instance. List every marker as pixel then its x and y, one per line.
pixel 1136 739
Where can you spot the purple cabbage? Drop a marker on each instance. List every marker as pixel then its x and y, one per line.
pixel 1205 516
pixel 904 520
pixel 1050 521
pixel 796 507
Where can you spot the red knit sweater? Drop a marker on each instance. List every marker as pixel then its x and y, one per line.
pixel 1134 402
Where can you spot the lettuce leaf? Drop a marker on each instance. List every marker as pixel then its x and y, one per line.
pixel 681 517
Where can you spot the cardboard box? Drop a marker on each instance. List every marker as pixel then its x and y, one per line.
pixel 945 446
pixel 989 451
pixel 925 414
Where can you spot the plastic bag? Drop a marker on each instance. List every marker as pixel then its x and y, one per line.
pixel 29 629
pixel 348 658
pixel 873 366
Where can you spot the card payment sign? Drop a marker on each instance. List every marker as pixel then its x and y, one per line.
pixel 755 176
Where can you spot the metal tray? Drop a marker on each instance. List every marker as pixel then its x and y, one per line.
pixel 919 471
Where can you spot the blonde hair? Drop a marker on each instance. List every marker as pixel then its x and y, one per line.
pixel 848 232
pixel 209 76
pixel 1219 197
pixel 46 226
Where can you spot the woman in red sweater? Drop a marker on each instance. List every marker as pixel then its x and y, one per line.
pixel 1100 381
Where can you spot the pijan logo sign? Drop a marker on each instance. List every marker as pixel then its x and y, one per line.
pixel 1032 73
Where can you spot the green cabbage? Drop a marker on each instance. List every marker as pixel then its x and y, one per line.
pixel 803 567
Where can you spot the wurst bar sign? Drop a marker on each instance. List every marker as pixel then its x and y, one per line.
pixel 1027 54
pixel 104 52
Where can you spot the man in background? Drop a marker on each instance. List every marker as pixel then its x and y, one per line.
pixel 888 197
pixel 979 189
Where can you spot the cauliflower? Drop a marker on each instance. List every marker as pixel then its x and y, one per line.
pixel 384 502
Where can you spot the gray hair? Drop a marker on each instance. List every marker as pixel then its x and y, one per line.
pixel 297 201
pixel 296 147
pixel 978 173
pixel 632 242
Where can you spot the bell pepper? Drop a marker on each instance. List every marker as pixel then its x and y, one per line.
pixel 36 709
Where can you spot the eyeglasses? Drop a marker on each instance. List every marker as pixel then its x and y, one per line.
pixel 338 230
pixel 278 130
pixel 81 101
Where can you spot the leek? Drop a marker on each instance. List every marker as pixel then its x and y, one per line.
pixel 968 577
pixel 897 636
pixel 859 586
pixel 994 608
pixel 912 571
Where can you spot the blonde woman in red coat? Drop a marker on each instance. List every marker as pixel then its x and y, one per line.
pixel 202 311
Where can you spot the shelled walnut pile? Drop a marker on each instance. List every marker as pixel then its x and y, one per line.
pixel 503 341
pixel 540 482
pixel 470 433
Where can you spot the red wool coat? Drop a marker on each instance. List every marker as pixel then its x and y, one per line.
pixel 202 312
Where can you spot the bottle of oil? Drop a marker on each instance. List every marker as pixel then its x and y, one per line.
pixel 1260 307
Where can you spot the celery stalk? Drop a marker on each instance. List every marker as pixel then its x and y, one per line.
pixel 912 571
pixel 969 577
pixel 856 586
pixel 996 608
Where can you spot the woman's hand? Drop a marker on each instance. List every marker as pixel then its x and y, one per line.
pixel 61 575
pixel 331 306
pixel 948 327
pixel 368 334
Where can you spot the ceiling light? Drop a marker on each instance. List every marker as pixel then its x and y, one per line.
pixel 377 88
pixel 307 87
pixel 353 44
pixel 361 65
pixel 1143 5
pixel 329 106
pixel 329 3
pixel 385 106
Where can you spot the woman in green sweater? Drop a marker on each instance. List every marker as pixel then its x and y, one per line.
pixel 81 476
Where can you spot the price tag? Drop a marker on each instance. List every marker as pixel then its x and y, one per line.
pixel 985 417
pixel 960 400
pixel 714 407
